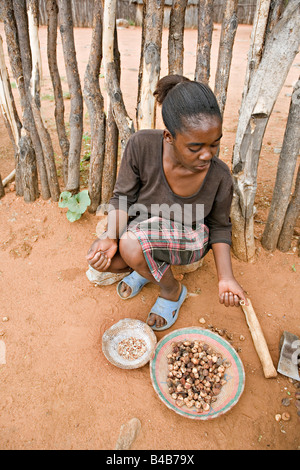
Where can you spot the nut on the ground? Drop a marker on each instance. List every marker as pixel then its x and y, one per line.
pixel 286 416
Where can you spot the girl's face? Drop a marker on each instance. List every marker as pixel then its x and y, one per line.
pixel 194 147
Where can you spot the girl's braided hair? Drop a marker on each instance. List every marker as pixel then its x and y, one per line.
pixel 184 102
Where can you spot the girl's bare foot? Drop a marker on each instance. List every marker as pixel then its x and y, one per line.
pixel 125 290
pixel 173 295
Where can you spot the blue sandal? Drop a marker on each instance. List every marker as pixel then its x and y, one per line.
pixel 135 282
pixel 165 308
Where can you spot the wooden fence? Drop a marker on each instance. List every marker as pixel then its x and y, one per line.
pixel 132 11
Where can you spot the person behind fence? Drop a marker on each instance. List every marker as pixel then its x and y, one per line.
pixel 171 203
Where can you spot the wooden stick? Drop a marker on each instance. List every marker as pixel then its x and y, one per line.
pixel 9 178
pixel 259 340
pixel 115 96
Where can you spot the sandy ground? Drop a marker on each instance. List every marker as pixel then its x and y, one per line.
pixel 58 391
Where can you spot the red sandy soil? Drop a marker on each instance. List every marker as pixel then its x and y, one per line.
pixel 58 391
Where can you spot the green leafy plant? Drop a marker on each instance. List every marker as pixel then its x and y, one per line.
pixel 76 204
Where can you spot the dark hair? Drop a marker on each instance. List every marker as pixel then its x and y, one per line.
pixel 183 100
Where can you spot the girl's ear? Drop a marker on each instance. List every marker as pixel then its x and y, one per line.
pixel 168 137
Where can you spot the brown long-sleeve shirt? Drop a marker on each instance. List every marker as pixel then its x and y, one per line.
pixel 142 181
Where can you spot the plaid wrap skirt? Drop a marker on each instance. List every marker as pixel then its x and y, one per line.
pixel 165 242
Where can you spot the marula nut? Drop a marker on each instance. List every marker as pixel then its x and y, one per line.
pixel 286 416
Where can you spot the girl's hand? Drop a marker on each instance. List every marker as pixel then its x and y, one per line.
pixel 231 293
pixel 101 253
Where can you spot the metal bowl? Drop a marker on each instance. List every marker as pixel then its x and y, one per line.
pixel 123 330
pixel 235 375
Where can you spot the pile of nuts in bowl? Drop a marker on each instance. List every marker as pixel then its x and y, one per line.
pixel 196 374
pixel 132 348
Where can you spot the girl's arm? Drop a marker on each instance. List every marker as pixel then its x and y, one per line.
pixel 230 292
pixel 105 247
pixel 125 194
pixel 116 224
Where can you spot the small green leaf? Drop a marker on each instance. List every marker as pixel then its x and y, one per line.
pixel 294 268
pixel 79 202
pixel 73 216
pixel 83 197
pixel 64 198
